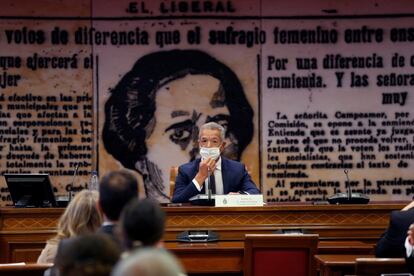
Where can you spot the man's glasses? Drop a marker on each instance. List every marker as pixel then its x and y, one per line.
pixel 214 142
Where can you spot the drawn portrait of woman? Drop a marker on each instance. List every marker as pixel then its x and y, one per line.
pixel 153 114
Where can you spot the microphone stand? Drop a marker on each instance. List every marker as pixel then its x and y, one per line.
pixel 209 190
pixel 73 182
pixel 349 185
pixel 348 197
pixel 205 199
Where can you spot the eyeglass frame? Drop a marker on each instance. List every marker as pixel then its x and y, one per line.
pixel 210 142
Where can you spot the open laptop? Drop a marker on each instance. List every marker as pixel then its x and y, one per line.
pixel 30 190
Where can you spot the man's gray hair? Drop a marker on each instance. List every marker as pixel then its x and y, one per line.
pixel 149 261
pixel 214 126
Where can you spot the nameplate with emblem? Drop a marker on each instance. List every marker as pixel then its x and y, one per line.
pixel 239 200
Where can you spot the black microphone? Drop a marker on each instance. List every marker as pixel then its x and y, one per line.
pixel 349 184
pixel 209 191
pixel 73 182
pixel 207 198
pixel 348 197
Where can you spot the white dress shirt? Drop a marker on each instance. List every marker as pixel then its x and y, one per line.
pixel 408 248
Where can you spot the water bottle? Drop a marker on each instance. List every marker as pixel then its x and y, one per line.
pixel 94 181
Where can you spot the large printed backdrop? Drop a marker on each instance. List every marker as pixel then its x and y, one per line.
pixel 306 92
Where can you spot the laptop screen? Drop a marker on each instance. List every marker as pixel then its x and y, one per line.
pixel 30 190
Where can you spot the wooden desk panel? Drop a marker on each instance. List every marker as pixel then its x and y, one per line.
pixel 217 257
pixel 227 256
pixel 345 248
pixel 331 222
pixel 337 265
pixel 23 232
pixel 379 266
pixel 24 270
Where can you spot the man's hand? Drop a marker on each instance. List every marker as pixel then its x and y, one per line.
pixel 203 170
pixel 410 234
pixel 409 206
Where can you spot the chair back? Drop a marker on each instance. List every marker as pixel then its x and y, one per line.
pixel 378 266
pixel 280 254
pixel 173 174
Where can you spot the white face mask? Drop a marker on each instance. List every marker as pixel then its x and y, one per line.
pixel 213 153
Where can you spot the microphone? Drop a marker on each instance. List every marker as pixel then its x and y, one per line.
pixel 207 198
pixel 348 197
pixel 209 191
pixel 73 182
pixel 349 184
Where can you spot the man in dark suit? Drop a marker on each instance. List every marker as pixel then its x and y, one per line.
pixel 391 244
pixel 115 191
pixel 223 175
pixel 409 248
pixel 91 254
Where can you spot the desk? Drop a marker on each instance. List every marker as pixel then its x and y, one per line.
pixel 337 265
pixel 379 266
pixel 345 248
pixel 332 222
pixel 227 256
pixel 24 270
pixel 23 232
pixel 217 257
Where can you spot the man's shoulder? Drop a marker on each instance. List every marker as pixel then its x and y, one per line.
pixel 408 212
pixel 232 163
pixel 403 215
pixel 107 229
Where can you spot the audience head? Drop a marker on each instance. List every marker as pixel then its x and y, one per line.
pixel 92 254
pixel 116 189
pixel 149 262
pixel 142 223
pixel 81 216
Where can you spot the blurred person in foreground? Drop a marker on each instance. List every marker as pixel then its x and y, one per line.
pixel 86 255
pixel 116 189
pixel 81 217
pixel 149 262
pixel 142 224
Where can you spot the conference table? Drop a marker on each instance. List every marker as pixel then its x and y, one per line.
pixel 338 264
pixel 332 222
pixel 227 256
pixel 348 229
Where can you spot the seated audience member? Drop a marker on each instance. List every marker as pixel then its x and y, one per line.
pixel 87 255
pixel 149 262
pixel 142 224
pixel 391 243
pixel 227 176
pixel 116 189
pixel 80 217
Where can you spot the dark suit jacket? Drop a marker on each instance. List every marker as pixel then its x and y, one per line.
pixel 110 230
pixel 107 229
pixel 391 244
pixel 235 179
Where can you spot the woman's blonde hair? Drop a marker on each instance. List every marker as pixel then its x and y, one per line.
pixel 81 216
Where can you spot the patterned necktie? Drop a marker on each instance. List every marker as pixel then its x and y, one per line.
pixel 212 183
